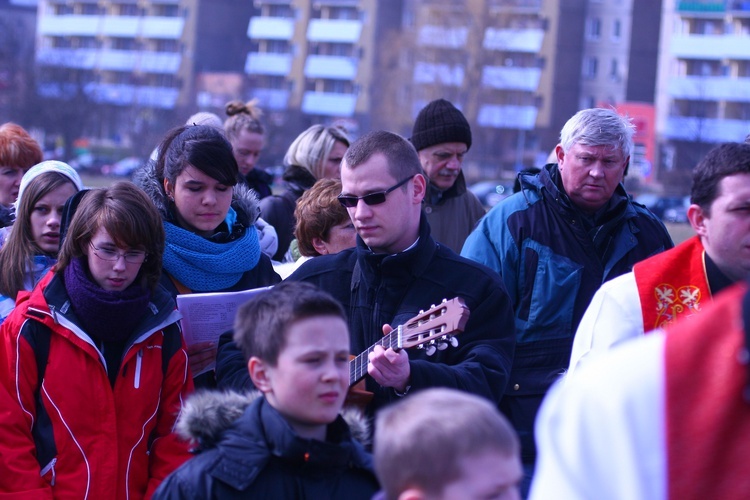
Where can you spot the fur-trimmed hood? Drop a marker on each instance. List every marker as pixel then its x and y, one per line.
pixel 207 414
pixel 244 200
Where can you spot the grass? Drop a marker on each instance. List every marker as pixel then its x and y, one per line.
pixel 679 232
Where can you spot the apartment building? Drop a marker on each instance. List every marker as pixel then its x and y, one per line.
pixel 314 61
pixel 703 82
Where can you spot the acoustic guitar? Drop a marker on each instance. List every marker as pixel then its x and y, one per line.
pixel 432 330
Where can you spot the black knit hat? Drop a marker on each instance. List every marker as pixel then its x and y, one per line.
pixel 439 122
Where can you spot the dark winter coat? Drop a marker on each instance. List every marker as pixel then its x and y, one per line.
pixel 393 289
pixel 553 258
pixel 278 210
pixel 248 450
pixel 453 213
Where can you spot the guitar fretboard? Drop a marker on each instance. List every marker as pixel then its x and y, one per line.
pixel 358 365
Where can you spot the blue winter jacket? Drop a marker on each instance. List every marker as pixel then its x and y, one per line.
pixel 552 258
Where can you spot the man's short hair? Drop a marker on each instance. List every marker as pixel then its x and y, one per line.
pixel 403 160
pixel 598 127
pixel 421 440
pixel 726 159
pixel 263 322
pixel 317 211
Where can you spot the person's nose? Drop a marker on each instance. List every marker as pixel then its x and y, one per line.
pixel 119 264
pixel 597 170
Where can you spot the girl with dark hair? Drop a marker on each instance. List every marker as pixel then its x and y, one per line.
pixel 211 243
pixel 95 359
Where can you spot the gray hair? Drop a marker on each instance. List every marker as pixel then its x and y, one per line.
pixel 598 127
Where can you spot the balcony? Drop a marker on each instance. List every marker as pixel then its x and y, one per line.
pixel 333 67
pixel 438 74
pixel 701 6
pixel 712 130
pixel 334 30
pixel 265 63
pixel 511 78
pixel 329 104
pixel 507 116
pixel 714 47
pixel 273 99
pixel 69 25
pixel 442 37
pixel 112 26
pixel 160 62
pixel 164 28
pixel 710 88
pixel 270 28
pixel 68 58
pixel 111 60
pixel 529 41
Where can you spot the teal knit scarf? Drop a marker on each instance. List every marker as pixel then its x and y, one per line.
pixel 203 265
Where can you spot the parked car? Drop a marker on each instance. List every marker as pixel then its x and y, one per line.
pixel 667 208
pixel 124 167
pixel 491 192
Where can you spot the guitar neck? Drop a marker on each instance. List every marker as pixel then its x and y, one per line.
pixel 358 365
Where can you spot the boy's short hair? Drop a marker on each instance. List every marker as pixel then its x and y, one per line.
pixel 262 323
pixel 433 431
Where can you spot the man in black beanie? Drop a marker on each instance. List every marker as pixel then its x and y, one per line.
pixel 442 136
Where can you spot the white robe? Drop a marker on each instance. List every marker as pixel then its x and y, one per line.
pixel 613 316
pixel 600 433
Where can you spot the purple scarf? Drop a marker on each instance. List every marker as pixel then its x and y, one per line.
pixel 105 315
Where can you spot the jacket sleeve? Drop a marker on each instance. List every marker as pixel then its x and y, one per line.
pixel 169 451
pixel 20 476
pixel 482 361
pixel 492 245
pixel 231 369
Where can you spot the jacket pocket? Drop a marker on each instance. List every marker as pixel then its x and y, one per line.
pixel 554 284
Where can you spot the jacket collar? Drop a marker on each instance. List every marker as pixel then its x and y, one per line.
pixel 434 195
pixel 403 266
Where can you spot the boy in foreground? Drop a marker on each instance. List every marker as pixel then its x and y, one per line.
pixel 292 442
pixel 441 444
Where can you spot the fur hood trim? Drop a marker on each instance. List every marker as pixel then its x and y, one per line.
pixel 207 414
pixel 244 200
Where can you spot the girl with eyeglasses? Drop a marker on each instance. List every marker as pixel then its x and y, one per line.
pixel 30 245
pixel 95 359
pixel 211 243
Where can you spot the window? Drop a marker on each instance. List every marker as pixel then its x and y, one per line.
pixel 594 28
pixel 614 71
pixel 616 29
pixel 590 67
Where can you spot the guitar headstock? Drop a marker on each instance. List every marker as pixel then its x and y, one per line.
pixel 439 323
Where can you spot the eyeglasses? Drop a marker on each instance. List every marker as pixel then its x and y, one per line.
pixel 370 199
pixel 131 257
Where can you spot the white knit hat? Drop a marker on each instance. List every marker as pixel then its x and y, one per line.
pixel 48 166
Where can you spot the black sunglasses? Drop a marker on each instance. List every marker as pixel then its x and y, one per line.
pixel 370 199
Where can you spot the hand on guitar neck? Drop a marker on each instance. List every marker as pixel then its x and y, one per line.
pixel 388 363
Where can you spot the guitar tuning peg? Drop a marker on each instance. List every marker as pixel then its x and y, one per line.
pixel 432 306
pixel 442 346
pixel 454 341
pixel 430 350
pixel 444 301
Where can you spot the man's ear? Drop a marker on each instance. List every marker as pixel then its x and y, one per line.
pixel 560 154
pixel 319 245
pixel 420 188
pixel 697 218
pixel 259 374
